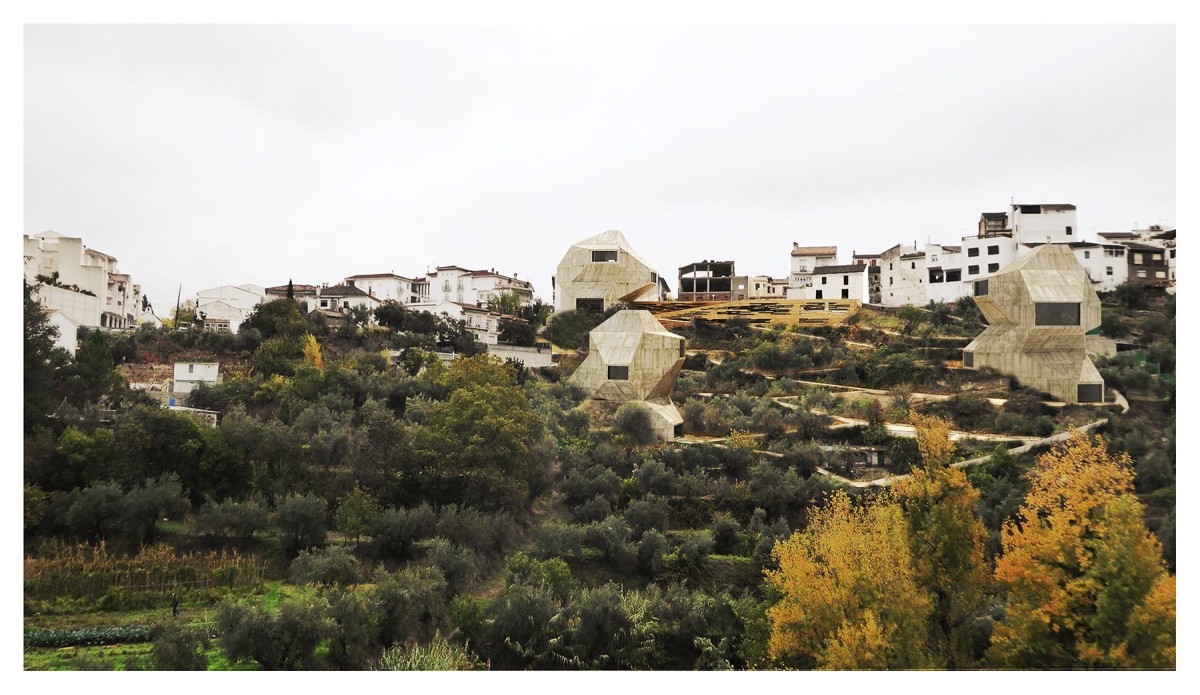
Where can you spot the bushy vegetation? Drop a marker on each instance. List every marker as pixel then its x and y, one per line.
pixel 352 510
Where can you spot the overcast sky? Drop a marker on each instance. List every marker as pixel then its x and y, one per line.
pixel 209 155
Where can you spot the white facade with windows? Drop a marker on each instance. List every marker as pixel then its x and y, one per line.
pixel 189 375
pixel 78 270
pixel 483 324
pixel 805 260
pixel 389 287
pixel 229 304
pixel 837 282
pixel 1044 223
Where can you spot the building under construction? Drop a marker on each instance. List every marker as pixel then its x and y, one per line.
pixel 707 281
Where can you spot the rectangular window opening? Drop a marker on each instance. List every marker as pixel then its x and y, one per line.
pixel 618 373
pixel 981 288
pixel 604 256
pixel 1056 314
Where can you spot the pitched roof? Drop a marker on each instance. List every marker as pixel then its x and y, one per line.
pixel 295 288
pixel 366 276
pixel 828 269
pixel 814 250
pixel 343 291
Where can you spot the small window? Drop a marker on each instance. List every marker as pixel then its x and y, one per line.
pixel 324 303
pixel 993 267
pixel 678 430
pixel 1156 256
pixel 968 359
pixel 972 270
pixel 1159 274
pixel 191 368
pixel 1141 273
pixel 993 250
pixel 1086 254
pixel 586 304
pixel 1068 231
pixel 824 280
pixel 1108 270
pixel 653 277
pixel 845 279
pixel 604 257
pixel 819 293
pixel 953 275
pixel 682 349
pixel 973 252
pixel 981 288
pixel 891 281
pixel 1137 259
pixel 889 266
pixel 618 373
pixel 1056 314
pixel 914 266
pixel 1090 393
pixel 845 294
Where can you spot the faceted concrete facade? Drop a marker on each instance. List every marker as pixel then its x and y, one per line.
pixel 602 270
pixel 1038 312
pixel 631 357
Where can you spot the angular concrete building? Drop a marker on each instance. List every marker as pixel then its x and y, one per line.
pixel 1038 312
pixel 631 357
pixel 601 271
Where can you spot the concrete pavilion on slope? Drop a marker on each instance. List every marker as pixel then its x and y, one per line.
pixel 1039 310
pixel 631 357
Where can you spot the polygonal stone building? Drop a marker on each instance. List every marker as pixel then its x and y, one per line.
pixel 602 270
pixel 1038 310
pixel 631 357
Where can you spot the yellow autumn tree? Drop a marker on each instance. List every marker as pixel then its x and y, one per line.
pixel 312 350
pixel 1086 583
pixel 849 599
pixel 946 539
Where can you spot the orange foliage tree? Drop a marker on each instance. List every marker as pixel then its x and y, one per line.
pixel 1086 583
pixel 849 598
pixel 946 539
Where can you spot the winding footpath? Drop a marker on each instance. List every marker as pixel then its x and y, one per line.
pixel 905 430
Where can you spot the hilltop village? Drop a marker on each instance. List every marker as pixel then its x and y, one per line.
pixel 871 463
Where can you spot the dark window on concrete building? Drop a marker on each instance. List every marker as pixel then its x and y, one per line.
pixel 973 252
pixel 968 359
pixel 993 267
pixel 993 250
pixel 972 270
pixel 1031 209
pixel 1090 393
pixel 1068 231
pixel 682 349
pixel 953 275
pixel 981 288
pixel 653 277
pixel 845 294
pixel 585 304
pixel 819 295
pixel 604 256
pixel 1056 314
pixel 618 373
pixel 845 279
pixel 679 430
pixel 824 280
